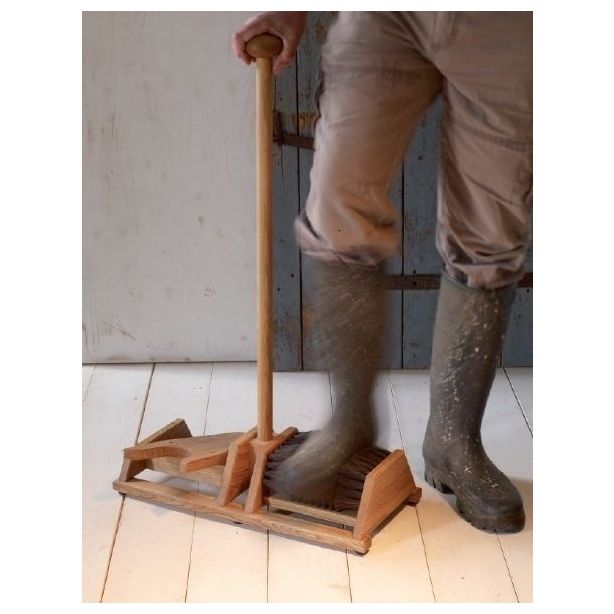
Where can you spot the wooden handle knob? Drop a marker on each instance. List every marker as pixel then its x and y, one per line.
pixel 264 46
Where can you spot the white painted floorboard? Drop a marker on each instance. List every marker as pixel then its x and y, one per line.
pixel 228 562
pixel 151 557
pixel 424 553
pixel 395 568
pixel 111 416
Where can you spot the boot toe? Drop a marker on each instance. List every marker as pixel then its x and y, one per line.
pixel 501 514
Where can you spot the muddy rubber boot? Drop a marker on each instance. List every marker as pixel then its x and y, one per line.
pixel 348 322
pixel 469 330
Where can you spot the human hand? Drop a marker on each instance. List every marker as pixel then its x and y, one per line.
pixel 287 25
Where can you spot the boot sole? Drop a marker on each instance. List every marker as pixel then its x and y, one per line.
pixel 512 523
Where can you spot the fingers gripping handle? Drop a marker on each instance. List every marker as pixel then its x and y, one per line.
pixel 264 47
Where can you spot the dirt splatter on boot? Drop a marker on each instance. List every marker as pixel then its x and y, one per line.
pixel 469 330
pixel 348 321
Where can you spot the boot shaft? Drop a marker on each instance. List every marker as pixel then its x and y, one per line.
pixel 348 326
pixel 468 337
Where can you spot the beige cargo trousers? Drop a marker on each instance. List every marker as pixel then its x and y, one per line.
pixel 380 71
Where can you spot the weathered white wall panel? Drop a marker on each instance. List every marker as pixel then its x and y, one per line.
pixel 168 189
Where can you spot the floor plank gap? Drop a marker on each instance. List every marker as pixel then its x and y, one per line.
pixel 208 397
pixel 524 415
pixel 187 580
pixel 396 410
pixel 138 433
pixel 508 568
pixel 347 562
pixel 268 556
pixel 106 575
pixel 90 369
pixel 426 556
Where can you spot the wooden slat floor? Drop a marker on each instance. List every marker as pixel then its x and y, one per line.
pixel 138 552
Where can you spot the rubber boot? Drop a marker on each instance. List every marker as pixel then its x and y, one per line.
pixel 348 323
pixel 469 330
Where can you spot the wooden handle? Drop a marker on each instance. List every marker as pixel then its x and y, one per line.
pixel 263 48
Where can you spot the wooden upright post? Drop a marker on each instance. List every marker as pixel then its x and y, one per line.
pixel 263 48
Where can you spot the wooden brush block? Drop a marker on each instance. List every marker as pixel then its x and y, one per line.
pixel 262 449
pixel 286 525
pixel 195 452
pixel 171 466
pixel 238 469
pixel 386 487
pixel 346 518
pixel 177 429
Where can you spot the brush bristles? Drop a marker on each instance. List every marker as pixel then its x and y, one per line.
pixel 352 476
pixel 350 479
pixel 286 450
